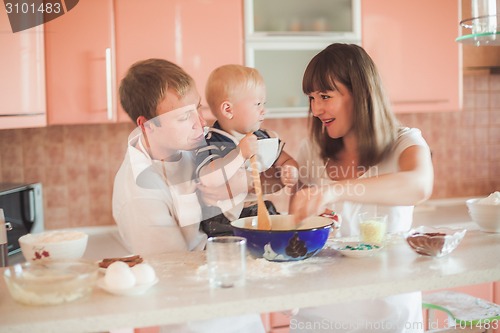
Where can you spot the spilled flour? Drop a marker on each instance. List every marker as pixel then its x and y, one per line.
pixel 261 268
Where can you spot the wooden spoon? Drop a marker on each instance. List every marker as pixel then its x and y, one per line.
pixel 263 219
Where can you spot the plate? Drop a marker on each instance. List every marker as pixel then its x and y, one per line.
pixel 138 289
pixel 356 249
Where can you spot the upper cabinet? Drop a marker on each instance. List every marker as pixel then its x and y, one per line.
pixel 198 35
pixel 314 19
pixel 80 63
pixel 281 37
pixel 22 79
pixel 413 45
pixel 90 49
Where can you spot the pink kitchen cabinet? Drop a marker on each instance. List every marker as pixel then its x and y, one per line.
pixel 198 35
pixel 83 83
pixel 279 322
pixel 79 72
pixel 22 80
pixel 413 45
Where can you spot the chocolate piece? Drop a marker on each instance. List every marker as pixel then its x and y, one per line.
pixel 131 261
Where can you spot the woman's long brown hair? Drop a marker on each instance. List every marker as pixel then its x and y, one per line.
pixel 374 123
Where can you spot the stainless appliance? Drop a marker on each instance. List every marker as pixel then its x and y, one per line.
pixel 22 205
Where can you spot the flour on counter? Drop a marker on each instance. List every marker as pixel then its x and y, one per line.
pixel 261 268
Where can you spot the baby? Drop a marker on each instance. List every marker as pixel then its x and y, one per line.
pixel 236 96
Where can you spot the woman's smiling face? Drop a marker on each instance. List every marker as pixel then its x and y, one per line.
pixel 335 109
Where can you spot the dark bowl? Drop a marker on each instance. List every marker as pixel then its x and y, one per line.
pixel 283 242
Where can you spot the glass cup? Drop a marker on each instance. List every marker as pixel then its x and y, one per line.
pixel 373 229
pixel 226 261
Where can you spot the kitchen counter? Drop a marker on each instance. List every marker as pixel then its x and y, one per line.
pixel 183 293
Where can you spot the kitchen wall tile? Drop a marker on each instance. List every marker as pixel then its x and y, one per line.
pixel 482 83
pixel 495 116
pixel 495 101
pixel 468 100
pixel 494 82
pixel 494 134
pixel 480 135
pixel 481 117
pixel 481 100
pixel 495 154
pixel 56 196
pixel 467 118
pixel 468 82
pixel 34 174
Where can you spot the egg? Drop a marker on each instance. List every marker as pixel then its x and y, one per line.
pixel 119 276
pixel 144 273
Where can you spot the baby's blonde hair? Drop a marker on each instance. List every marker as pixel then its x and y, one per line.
pixel 228 82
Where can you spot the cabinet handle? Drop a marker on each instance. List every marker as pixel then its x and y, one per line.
pixel 109 85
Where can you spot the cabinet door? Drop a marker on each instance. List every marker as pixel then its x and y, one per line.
pixel 413 45
pixel 22 79
pixel 79 72
pixel 198 35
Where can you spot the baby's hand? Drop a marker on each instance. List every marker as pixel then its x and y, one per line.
pixel 248 146
pixel 289 175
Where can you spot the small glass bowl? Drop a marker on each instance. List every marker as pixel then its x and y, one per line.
pixel 434 242
pixel 51 282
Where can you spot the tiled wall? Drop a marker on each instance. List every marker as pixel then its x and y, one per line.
pixel 76 164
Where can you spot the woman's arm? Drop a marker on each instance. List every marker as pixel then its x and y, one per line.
pixel 409 186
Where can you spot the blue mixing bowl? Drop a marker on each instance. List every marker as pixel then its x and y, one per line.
pixel 283 242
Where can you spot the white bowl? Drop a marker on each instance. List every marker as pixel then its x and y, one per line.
pixel 56 244
pixel 486 216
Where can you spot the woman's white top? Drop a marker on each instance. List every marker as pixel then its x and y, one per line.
pixel 398 313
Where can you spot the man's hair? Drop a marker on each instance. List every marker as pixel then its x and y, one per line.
pixel 228 82
pixel 374 122
pixel 144 86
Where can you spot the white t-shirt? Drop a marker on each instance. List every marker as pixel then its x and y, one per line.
pixel 156 215
pixel 144 208
pixel 398 313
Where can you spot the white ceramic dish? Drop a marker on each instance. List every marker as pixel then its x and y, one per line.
pixel 356 249
pixel 486 216
pixel 138 289
pixel 53 244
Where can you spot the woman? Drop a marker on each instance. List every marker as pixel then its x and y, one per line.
pixel 358 160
